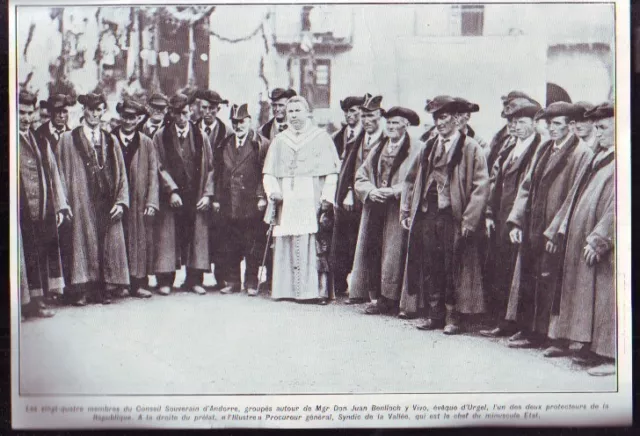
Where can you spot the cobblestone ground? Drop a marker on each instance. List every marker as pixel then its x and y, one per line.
pixel 211 344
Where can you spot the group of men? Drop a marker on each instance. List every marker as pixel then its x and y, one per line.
pixel 442 227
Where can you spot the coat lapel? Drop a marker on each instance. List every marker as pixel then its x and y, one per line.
pixel 402 154
pixel 248 148
pixel 524 157
pixel 557 162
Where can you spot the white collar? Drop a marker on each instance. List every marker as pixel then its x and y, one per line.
pixel 563 143
pixel 184 131
pixel 124 136
pixel 211 126
pixel 374 137
pixel 522 145
pixel 88 132
pixel 450 140
pixel 240 142
pixel 53 130
pixel 393 145
pixel 356 130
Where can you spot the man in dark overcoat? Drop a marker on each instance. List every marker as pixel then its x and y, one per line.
pixel 586 306
pixel 442 205
pixel 216 130
pixel 94 176
pixel 346 219
pixel 181 233
pixel 381 247
pixel 53 129
pixel 43 207
pixel 278 123
pixel 542 192
pixel 156 113
pixel 241 202
pixel 372 136
pixel 508 171
pixel 468 108
pixel 141 164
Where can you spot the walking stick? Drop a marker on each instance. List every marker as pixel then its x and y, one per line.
pixel 271 213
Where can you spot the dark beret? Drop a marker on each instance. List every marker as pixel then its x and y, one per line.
pixel 130 107
pixel 58 102
pixel 179 101
pixel 158 100
pixel 372 103
pixel 581 108
pixel 92 100
pixel 514 94
pixel 280 93
pixel 403 112
pixel 442 103
pixel 603 110
pixel 239 112
pixel 211 96
pixel 27 97
pixel 520 107
pixel 466 106
pixel 559 109
pixel 350 102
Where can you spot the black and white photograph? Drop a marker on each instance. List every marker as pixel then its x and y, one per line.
pixel 351 210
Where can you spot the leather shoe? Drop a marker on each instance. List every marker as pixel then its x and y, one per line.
pixel 141 293
pixel 523 343
pixel 218 286
pixel 230 288
pixel 431 324
pixel 452 329
pixel 164 290
pixel 322 302
pixel 519 336
pixel 495 333
pixel 106 298
pixel 81 301
pixel 602 370
pixel 554 351
pixel 374 309
pixel 252 292
pixel 354 301
pixel 121 293
pixel 43 312
pixel 197 289
pixel 404 315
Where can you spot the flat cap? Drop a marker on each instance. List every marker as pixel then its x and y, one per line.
pixel 520 107
pixel 350 102
pixel 279 93
pixel 178 101
pixel 403 112
pixel 27 97
pixel 131 107
pixel 581 108
pixel 211 96
pixel 603 110
pixel 442 103
pixel 466 106
pixel 239 112
pixel 58 102
pixel 559 109
pixel 158 100
pixel 372 103
pixel 92 99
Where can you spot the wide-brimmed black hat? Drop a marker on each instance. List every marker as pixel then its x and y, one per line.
pixel 211 96
pixel 350 102
pixel 520 107
pixel 465 106
pixel 581 108
pixel 158 100
pixel 559 109
pixel 442 103
pixel 178 101
pixel 130 107
pixel 239 113
pixel 603 110
pixel 406 113
pixel 92 100
pixel 58 102
pixel 279 93
pixel 27 97
pixel 372 103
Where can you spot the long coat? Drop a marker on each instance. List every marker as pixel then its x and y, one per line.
pixel 143 193
pixel 378 267
pixel 496 145
pixel 265 129
pixel 75 160
pixel 540 197
pixel 587 304
pixel 44 132
pixel 167 253
pixel 469 184
pixel 238 182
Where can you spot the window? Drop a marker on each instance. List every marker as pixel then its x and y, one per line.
pixel 315 83
pixel 471 19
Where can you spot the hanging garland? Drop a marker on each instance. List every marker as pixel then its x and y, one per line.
pixel 256 31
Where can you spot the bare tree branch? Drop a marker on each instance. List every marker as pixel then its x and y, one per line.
pixel 32 28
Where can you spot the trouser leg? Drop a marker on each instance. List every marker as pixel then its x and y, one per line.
pixel 194 277
pixel 166 279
